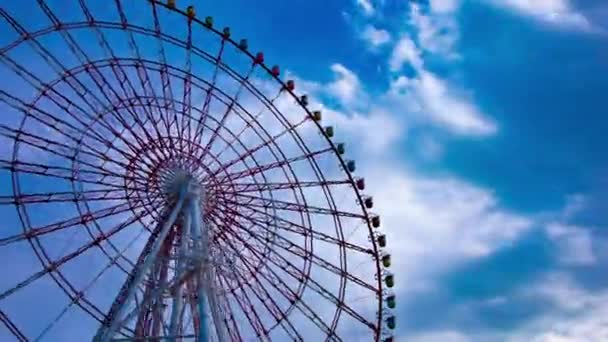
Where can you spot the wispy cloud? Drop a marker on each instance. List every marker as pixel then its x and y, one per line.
pixel 366 6
pixel 375 37
pixel 558 12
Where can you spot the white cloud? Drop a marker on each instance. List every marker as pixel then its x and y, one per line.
pixel 437 32
pixel 440 336
pixel 426 93
pixel 579 315
pixel 405 51
pixel 366 6
pixel 375 37
pixel 574 204
pixel 560 12
pixel 443 106
pixel 444 6
pixel 574 243
pixel 346 85
pixel 436 223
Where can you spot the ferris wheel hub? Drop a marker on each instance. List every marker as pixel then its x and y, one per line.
pixel 180 182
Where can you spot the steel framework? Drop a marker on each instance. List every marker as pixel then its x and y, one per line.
pixel 151 159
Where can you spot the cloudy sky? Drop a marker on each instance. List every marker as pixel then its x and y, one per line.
pixel 481 130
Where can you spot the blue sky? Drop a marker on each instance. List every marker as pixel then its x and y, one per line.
pixel 480 128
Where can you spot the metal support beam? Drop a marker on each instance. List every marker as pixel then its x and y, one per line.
pixel 105 335
pixel 188 196
pixel 201 239
pixel 181 265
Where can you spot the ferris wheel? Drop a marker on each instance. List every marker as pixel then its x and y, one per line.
pixel 160 182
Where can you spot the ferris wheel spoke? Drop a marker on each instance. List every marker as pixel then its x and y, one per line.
pixel 43 116
pixel 84 176
pixel 247 308
pixel 230 108
pixel 79 88
pixel 298 251
pixel 249 123
pixel 208 94
pixel 284 264
pixel 117 67
pixel 187 90
pixel 271 186
pixel 266 167
pixel 58 125
pixel 65 196
pixel 55 148
pixel 54 265
pixel 273 279
pixel 292 227
pixel 142 73
pixel 68 223
pixel 59 68
pixel 266 143
pixel 50 121
pixel 267 301
pixel 12 328
pixel 232 326
pixel 80 294
pixel 164 75
pixel 274 204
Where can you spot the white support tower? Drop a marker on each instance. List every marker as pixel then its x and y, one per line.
pixel 174 272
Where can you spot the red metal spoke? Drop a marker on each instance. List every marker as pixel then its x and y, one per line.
pixel 53 266
pixel 280 163
pixel 208 95
pixel 48 91
pixel 248 309
pixel 68 223
pixel 62 150
pixel 65 196
pixel 187 91
pixel 266 299
pixel 267 203
pixel 257 187
pixel 228 110
pixel 284 264
pixel 272 278
pixel 89 285
pixel 265 143
pixel 84 176
pixel 297 250
pixel 292 227
pixel 249 123
pixel 12 328
pixel 165 79
pixel 231 324
pixel 78 87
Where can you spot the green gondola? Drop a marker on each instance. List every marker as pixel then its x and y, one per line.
pixel 341 148
pixel 209 21
pixel 389 280
pixel 382 240
pixel 390 301
pixel 386 260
